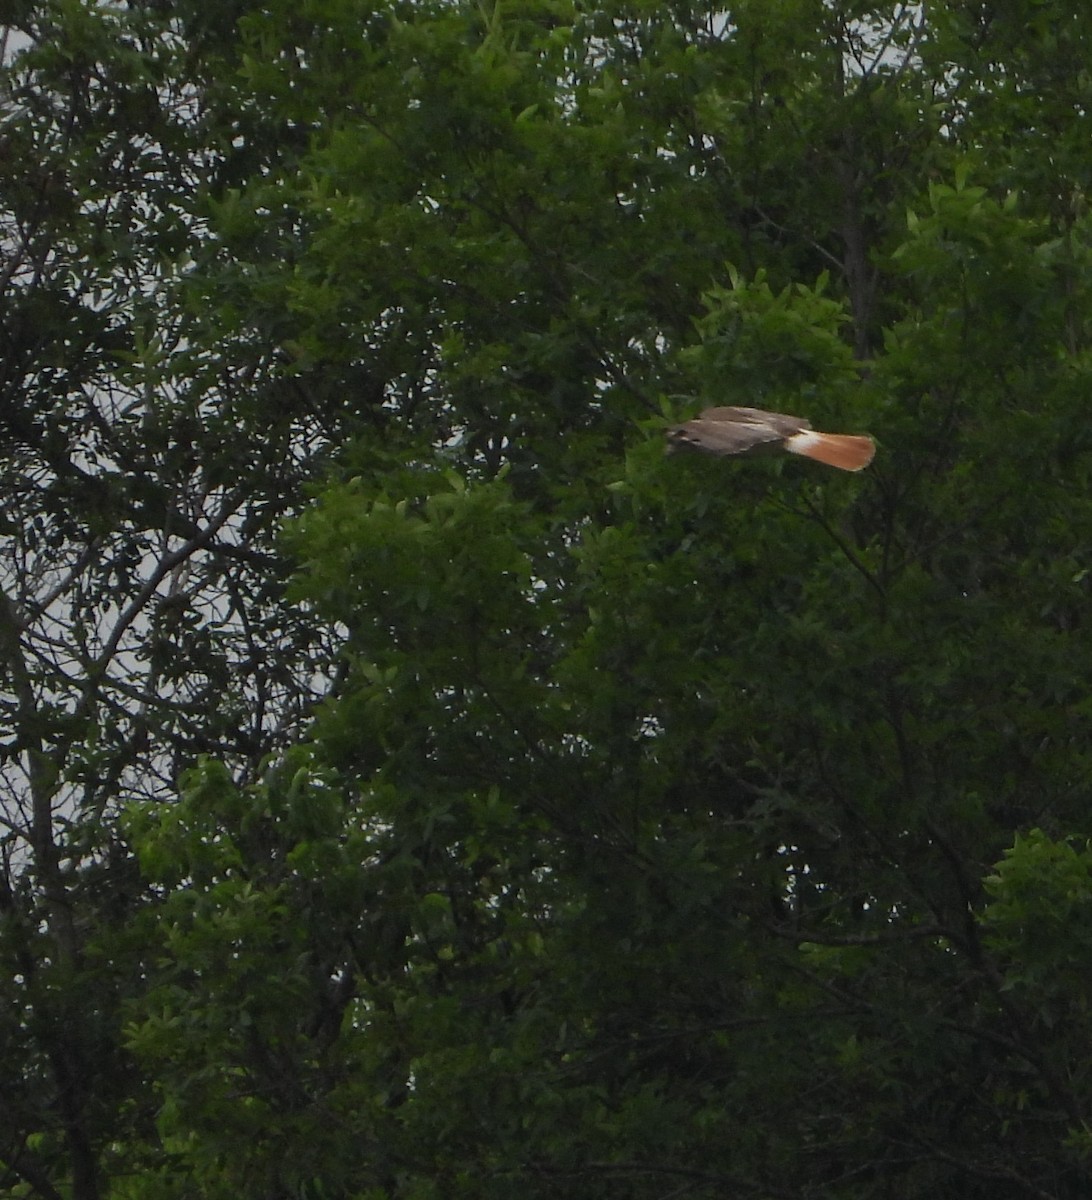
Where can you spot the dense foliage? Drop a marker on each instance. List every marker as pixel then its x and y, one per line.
pixel 418 785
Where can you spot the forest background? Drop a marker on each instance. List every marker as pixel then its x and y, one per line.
pixel 415 784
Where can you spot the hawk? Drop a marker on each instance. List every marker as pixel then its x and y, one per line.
pixel 753 431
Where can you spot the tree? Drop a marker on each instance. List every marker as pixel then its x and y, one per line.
pixel 668 828
pixel 151 441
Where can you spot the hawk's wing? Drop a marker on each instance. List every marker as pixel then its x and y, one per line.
pixel 731 430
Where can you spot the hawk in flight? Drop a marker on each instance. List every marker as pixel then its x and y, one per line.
pixel 753 431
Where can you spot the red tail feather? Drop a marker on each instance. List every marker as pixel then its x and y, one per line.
pixel 843 450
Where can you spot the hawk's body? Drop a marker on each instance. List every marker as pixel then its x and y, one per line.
pixel 732 430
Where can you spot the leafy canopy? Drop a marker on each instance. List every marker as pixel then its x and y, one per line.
pixel 665 826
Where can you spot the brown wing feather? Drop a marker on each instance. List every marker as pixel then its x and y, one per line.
pixel 784 423
pixel 732 430
pixel 722 437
